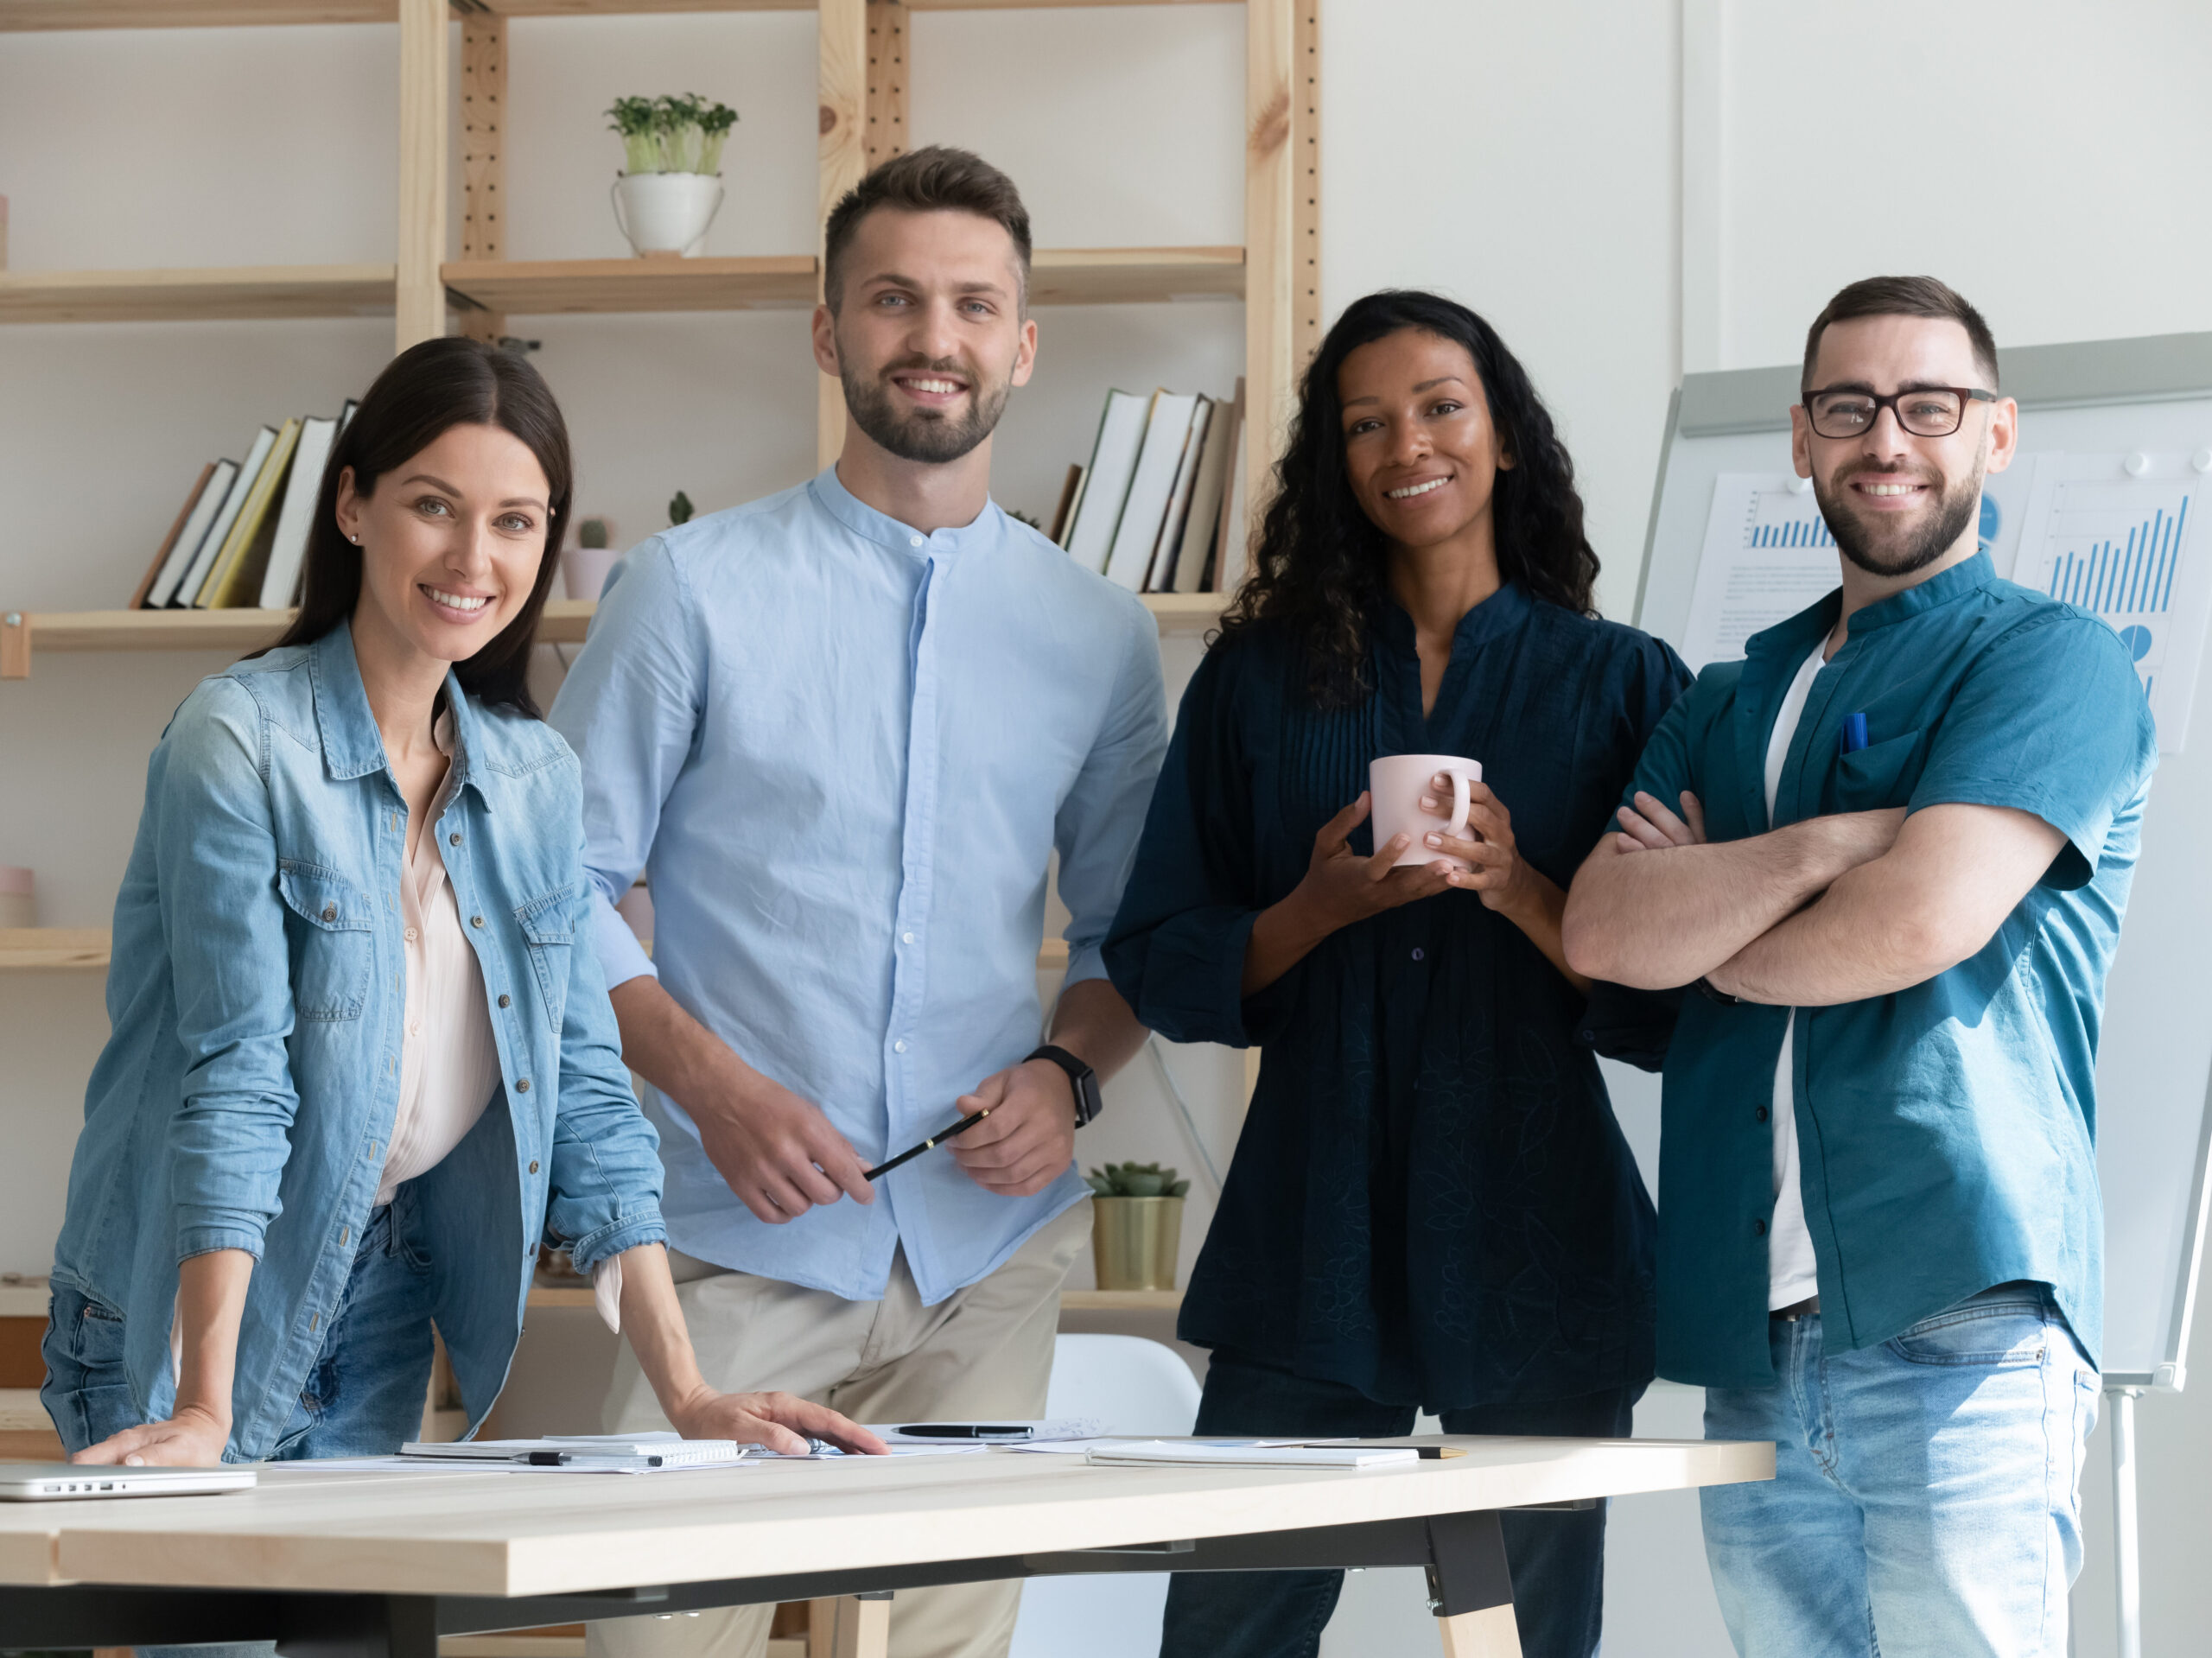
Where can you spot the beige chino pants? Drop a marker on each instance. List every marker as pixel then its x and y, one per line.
pixel 985 1351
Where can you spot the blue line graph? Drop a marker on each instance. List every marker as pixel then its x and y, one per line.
pixel 2133 577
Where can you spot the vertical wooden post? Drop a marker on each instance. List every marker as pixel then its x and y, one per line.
pixel 483 155
pixel 1270 32
pixel 1306 186
pixel 844 26
pixel 423 84
pixel 887 80
pixel 15 646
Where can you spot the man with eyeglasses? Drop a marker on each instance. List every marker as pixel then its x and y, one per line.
pixel 1891 850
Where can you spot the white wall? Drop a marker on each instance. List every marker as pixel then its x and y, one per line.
pixel 1537 162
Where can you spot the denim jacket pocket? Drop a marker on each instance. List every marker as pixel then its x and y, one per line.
pixel 327 926
pixel 1993 1334
pixel 548 928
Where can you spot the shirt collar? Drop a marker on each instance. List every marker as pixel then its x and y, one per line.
pixel 352 745
pixel 1502 611
pixel 1945 587
pixel 863 520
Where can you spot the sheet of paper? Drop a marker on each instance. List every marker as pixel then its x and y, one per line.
pixel 432 1468
pixel 1767 555
pixel 2129 547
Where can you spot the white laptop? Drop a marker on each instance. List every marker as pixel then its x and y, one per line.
pixel 44 1482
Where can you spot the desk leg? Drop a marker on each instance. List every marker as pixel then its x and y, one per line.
pixel 1469 1589
pixel 849 1626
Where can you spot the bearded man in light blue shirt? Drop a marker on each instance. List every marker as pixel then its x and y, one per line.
pixel 844 729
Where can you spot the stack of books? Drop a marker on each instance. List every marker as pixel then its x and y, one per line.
pixel 1160 508
pixel 233 546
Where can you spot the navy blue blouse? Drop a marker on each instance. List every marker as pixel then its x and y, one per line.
pixel 1431 1200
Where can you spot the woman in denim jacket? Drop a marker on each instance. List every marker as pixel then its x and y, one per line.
pixel 363 1060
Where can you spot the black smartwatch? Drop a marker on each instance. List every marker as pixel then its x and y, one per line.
pixel 1081 1078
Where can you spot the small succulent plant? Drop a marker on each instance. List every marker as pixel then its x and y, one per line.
pixel 1135 1180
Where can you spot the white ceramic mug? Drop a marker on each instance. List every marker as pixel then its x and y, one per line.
pixel 1396 784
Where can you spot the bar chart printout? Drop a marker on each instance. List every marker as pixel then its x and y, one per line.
pixel 2132 550
pixel 1768 554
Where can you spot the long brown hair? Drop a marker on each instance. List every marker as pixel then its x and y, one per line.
pixel 423 393
pixel 1318 565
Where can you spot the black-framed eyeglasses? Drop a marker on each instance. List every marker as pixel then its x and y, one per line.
pixel 1924 411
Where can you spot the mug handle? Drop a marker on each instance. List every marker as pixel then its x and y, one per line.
pixel 1462 802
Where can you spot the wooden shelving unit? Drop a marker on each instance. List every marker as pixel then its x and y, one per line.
pixel 564 623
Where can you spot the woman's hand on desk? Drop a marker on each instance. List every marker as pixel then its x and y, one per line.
pixel 191 1438
pixel 781 1421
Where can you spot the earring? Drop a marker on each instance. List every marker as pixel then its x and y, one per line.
pixel 356 540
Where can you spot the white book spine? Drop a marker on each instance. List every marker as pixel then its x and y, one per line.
pixel 194 534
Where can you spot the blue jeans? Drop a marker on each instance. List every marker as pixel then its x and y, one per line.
pixel 1557 1558
pixel 1927 1492
pixel 364 1397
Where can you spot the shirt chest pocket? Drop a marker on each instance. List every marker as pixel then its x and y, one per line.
pixel 548 926
pixel 1877 776
pixel 326 928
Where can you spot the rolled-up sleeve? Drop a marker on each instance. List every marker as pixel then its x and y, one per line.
pixel 1099 823
pixel 1176 950
pixel 629 707
pixel 224 926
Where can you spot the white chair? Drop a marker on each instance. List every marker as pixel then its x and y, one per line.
pixel 1133 1386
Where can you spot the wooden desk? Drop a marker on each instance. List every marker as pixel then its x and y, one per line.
pixel 378 1566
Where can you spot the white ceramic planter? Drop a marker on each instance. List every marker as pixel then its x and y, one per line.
pixel 667 212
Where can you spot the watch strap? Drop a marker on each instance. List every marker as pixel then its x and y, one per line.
pixel 1081 1077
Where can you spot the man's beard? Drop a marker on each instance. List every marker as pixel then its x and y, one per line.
pixel 1914 550
pixel 924 435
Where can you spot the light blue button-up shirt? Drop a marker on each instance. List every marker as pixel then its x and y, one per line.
pixel 845 752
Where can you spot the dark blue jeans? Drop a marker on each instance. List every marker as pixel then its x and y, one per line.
pixel 1557 1557
pixel 363 1398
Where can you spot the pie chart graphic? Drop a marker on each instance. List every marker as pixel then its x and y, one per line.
pixel 2136 638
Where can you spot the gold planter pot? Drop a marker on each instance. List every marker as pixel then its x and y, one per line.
pixel 1134 1241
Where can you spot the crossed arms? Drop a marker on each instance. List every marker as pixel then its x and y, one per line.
pixel 1830 910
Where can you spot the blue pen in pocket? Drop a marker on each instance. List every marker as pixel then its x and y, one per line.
pixel 1854 734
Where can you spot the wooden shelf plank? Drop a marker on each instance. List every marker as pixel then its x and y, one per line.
pixel 53 949
pixel 564 623
pixel 63 948
pixel 19 14
pixel 185 294
pixel 552 287
pixel 1125 276
pixel 1061 276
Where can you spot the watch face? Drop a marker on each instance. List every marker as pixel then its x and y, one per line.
pixel 1087 1100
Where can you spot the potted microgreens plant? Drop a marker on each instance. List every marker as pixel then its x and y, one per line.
pixel 670 186
pixel 1136 1225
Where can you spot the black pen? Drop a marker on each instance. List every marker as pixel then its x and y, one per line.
pixel 913 1152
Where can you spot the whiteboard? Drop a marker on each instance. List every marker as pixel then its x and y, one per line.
pixel 2154 1067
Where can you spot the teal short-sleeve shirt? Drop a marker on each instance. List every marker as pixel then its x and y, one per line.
pixel 1946 1133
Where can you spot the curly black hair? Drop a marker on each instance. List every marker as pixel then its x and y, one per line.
pixel 1318 569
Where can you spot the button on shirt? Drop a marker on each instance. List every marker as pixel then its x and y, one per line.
pixel 845 752
pixel 1946 1133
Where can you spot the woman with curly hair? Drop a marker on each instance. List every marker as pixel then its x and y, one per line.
pixel 1431 1205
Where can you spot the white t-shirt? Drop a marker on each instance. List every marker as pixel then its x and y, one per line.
pixel 1791 1275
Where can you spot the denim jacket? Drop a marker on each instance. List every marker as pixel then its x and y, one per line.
pixel 246 1096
